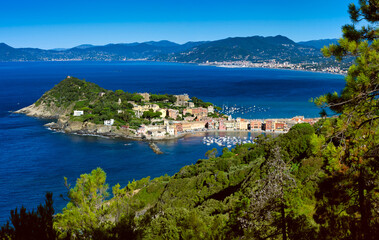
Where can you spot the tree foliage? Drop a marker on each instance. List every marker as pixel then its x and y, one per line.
pixel 348 196
pixel 86 211
pixel 33 225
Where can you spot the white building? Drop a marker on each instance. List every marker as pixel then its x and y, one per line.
pixel 170 131
pixel 211 109
pixel 108 122
pixel 78 113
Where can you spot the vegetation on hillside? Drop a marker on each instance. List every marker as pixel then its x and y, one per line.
pixel 99 104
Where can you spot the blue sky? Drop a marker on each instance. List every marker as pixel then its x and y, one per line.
pixel 66 23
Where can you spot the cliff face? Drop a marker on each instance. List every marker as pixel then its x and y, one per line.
pixel 44 110
pixel 88 128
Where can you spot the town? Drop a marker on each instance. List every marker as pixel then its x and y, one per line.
pixel 168 123
pixel 338 68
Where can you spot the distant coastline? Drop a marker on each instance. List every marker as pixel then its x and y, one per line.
pixel 221 65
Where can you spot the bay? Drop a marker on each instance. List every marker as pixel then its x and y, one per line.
pixel 34 160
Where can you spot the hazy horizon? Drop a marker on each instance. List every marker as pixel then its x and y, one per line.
pixel 51 24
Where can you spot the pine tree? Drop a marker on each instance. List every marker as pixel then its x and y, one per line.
pixel 348 199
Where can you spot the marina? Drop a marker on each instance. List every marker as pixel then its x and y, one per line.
pixel 227 141
pixel 241 109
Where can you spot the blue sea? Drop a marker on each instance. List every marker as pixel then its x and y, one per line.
pixel 34 160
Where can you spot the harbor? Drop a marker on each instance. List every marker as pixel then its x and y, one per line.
pixel 229 141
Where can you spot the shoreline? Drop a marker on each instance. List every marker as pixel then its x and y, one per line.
pixel 189 63
pixel 161 139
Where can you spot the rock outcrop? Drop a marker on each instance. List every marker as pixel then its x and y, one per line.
pixel 44 110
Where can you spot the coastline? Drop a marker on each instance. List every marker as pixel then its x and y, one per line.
pixel 190 63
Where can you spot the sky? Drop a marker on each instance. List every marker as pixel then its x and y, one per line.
pixel 51 24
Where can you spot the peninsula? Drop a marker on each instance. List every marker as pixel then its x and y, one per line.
pixel 85 108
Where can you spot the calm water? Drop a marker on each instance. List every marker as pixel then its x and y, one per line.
pixel 34 160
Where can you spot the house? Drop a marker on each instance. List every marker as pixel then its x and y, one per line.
pixel 163 111
pixel 178 128
pixel 256 125
pixel 108 122
pixel 172 113
pixel 170 130
pixel 141 130
pixel 242 124
pixel 192 126
pixel 146 96
pixel 101 94
pixel 298 119
pixel 221 126
pixel 280 126
pixel 211 109
pixel 199 112
pixel 181 100
pixel 78 113
pixel 268 125
pixel 230 125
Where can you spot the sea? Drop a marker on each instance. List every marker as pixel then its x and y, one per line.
pixel 34 160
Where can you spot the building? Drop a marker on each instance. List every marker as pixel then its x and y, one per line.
pixel 193 126
pixel 268 125
pixel 280 126
pixel 298 119
pixel 163 111
pixel 146 96
pixel 101 94
pixel 199 112
pixel 170 130
pixel 256 125
pixel 109 122
pixel 172 113
pixel 221 126
pixel 211 109
pixel 229 125
pixel 178 128
pixel 181 100
pixel 78 113
pixel 241 124
pixel 311 121
pixel 141 130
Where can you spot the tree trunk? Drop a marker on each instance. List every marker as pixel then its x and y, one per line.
pixel 283 222
pixel 364 233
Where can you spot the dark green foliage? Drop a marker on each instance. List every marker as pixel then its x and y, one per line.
pixel 200 103
pixel 34 225
pixel 151 114
pixel 71 90
pixel 163 98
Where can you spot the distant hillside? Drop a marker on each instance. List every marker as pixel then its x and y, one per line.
pixel 95 53
pixel 255 49
pixel 318 43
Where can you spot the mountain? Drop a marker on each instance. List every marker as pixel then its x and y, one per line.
pixel 255 49
pixel 84 46
pixel 319 43
pixel 120 51
pixel 163 43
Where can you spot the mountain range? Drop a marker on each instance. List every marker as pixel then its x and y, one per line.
pixel 254 49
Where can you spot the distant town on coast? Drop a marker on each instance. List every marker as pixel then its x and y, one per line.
pixel 252 52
